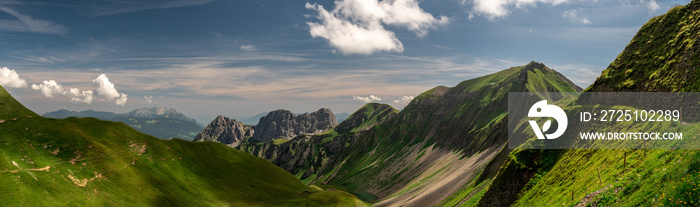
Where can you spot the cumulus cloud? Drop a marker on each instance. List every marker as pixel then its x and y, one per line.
pixel 358 26
pixel 81 96
pixel 370 98
pixel 10 78
pixel 48 88
pixel 493 9
pixel 249 48
pixel 104 91
pixel 404 100
pixel 148 98
pixel 652 5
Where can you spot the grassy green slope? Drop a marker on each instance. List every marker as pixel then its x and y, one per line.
pixel 306 156
pixel 437 133
pixel 89 162
pixel 663 56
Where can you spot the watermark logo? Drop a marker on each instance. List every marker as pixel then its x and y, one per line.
pixel 542 109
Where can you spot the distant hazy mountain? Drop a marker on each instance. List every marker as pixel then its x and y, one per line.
pixel 161 122
pixel 253 120
pixel 342 116
pixel 60 114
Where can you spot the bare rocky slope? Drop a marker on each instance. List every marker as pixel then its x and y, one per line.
pixel 283 124
pixel 226 131
pixel 278 124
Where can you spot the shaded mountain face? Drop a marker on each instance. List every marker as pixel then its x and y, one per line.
pixel 226 131
pixel 90 162
pixel 306 155
pixel 283 124
pixel 662 56
pixel 440 140
pixel 161 122
pixel 279 124
pixel 342 116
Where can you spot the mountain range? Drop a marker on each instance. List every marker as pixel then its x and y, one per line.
pixel 252 121
pixel 161 122
pixel 447 147
pixel 276 125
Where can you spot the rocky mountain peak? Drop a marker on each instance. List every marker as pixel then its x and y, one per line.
pixel 225 130
pixel 283 124
pixel 158 112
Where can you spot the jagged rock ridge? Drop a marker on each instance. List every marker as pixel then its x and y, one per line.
pixel 283 124
pixel 226 131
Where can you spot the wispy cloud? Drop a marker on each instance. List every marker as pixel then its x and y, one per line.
pixel 127 6
pixel 10 78
pixel 493 9
pixel 26 23
pixel 652 5
pixel 148 98
pixel 358 27
pixel 249 48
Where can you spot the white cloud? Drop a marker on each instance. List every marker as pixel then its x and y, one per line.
pixel 404 100
pixel 81 96
pixel 31 24
pixel 48 88
pixel 370 98
pixel 652 5
pixel 585 21
pixel 493 9
pixel 357 26
pixel 149 99
pixel 249 48
pixel 575 16
pixel 105 91
pixel 122 100
pixel 10 78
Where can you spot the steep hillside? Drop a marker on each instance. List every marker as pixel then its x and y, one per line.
pixel 307 155
pixel 226 131
pixel 89 162
pixel 663 56
pixel 442 141
pixel 161 122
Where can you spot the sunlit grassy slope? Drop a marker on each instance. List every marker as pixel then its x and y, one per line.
pixel 89 162
pixel 663 56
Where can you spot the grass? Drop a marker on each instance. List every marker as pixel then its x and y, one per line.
pixel 89 162
pixel 464 119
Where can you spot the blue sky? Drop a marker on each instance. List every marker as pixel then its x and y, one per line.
pixel 241 58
